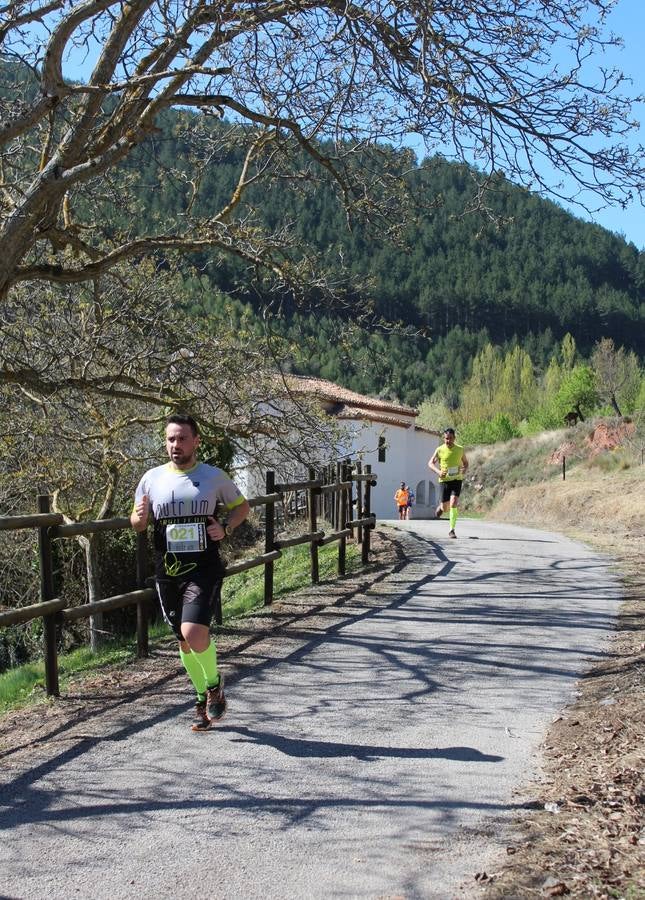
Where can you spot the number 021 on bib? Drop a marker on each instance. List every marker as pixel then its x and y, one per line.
pixel 186 537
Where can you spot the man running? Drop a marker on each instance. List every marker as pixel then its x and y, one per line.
pixel 401 497
pixel 181 497
pixel 450 464
pixel 411 499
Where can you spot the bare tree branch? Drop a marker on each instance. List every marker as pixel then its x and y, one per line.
pixel 476 82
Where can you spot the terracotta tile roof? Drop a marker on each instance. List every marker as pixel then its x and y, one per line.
pixel 373 415
pixel 351 400
pixel 428 430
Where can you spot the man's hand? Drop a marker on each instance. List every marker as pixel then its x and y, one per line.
pixel 215 529
pixel 139 517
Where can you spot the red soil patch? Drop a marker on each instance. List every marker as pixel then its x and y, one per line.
pixel 566 449
pixel 605 436
pixel 608 436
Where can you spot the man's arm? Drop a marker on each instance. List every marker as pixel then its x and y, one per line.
pixel 464 463
pixel 238 514
pixel 235 517
pixel 432 464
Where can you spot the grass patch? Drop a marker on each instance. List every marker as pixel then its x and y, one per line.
pixel 610 461
pixel 26 683
pixel 241 595
pixel 245 592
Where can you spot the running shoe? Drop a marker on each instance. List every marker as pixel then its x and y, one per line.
pixel 451 533
pixel 216 701
pixel 201 721
pixel 438 512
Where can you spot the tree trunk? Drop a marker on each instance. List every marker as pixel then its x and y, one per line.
pixel 90 545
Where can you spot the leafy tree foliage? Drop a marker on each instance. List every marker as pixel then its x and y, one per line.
pixel 618 374
pixel 488 431
pixel 577 391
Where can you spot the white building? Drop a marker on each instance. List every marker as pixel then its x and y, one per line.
pixel 378 433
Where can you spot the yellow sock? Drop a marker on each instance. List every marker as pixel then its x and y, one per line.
pixel 208 661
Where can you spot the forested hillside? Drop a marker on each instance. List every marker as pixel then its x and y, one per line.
pixel 527 273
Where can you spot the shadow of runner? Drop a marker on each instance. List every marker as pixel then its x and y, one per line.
pixel 365 753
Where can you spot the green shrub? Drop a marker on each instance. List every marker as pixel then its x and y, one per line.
pixel 488 431
pixel 544 418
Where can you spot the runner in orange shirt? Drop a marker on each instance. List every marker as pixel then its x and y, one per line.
pixel 401 498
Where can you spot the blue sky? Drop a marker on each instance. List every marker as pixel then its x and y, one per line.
pixel 628 21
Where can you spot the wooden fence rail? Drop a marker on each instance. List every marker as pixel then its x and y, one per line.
pixel 329 495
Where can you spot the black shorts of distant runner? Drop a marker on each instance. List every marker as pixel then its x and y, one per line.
pixel 450 489
pixel 189 599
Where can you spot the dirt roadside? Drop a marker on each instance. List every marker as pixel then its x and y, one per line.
pixel 585 837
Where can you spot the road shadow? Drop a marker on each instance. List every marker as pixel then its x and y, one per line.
pixel 303 748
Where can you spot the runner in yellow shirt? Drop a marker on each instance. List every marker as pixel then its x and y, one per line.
pixel 450 464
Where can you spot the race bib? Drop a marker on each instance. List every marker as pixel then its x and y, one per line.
pixel 453 470
pixel 186 537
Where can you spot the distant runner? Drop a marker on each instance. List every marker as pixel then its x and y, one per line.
pixel 180 497
pixel 401 498
pixel 450 464
pixel 411 499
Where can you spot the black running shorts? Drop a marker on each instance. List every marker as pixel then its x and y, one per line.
pixel 190 599
pixel 450 489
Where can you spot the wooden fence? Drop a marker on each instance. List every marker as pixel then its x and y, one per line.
pixel 329 494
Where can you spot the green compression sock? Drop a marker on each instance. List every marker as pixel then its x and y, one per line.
pixel 208 661
pixel 195 672
pixel 453 517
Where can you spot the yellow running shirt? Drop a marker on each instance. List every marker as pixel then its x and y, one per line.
pixel 450 459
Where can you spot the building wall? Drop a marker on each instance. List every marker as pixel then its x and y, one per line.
pixel 406 459
pixel 407 453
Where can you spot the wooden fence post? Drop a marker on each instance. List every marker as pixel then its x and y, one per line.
pixel 143 646
pixel 47 593
pixel 342 520
pixel 350 495
pixel 365 548
pixel 564 468
pixel 269 538
pixel 359 501
pixel 312 496
pixel 322 503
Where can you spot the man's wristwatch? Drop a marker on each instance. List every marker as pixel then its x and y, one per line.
pixel 228 530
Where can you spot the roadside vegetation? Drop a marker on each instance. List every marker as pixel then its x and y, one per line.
pixel 601 445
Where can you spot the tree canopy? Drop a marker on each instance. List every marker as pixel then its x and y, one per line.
pixel 305 84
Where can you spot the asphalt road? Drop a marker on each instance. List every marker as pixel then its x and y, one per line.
pixel 380 751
